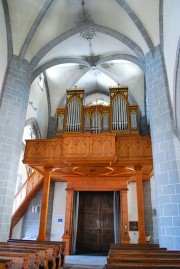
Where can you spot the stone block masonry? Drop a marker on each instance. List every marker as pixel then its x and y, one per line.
pixel 165 146
pixel 13 108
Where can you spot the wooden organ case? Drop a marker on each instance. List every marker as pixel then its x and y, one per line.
pixel 119 116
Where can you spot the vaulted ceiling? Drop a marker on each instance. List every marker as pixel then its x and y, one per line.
pixel 49 35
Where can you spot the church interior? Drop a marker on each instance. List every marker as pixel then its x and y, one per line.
pixel 89 131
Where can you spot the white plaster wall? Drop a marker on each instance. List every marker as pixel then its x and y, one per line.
pixel 16 233
pixel 58 215
pixel 132 211
pixel 3 46
pixel 38 98
pixel 22 173
pixel 171 37
pixel 128 73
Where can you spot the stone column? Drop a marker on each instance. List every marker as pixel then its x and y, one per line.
pixel 68 220
pixel 166 151
pixel 125 239
pixel 140 206
pixel 13 107
pixel 44 204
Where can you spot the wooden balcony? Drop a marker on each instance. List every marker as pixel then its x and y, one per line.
pixel 80 154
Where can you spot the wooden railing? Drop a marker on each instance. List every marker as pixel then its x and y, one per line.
pixel 26 188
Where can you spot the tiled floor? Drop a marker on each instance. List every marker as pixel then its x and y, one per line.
pixel 84 261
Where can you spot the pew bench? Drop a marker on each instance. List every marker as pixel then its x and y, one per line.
pixel 5 263
pixel 29 253
pixel 141 265
pixel 138 256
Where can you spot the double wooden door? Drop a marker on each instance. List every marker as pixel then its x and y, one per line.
pixel 95 222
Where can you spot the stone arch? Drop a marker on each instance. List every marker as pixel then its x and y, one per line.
pixel 126 57
pixel 54 62
pixel 138 23
pixel 102 29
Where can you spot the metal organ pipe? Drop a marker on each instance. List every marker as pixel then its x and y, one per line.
pixel 67 122
pixel 72 115
pixel 122 114
pixel 75 115
pixel 118 112
pixel 78 116
pixel 113 123
pixel 115 111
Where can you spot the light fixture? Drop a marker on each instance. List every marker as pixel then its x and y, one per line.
pixel 88 32
pixel 87 24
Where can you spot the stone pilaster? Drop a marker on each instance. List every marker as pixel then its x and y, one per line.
pixel 13 106
pixel 166 149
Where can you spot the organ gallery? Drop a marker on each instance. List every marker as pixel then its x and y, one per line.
pixel 98 151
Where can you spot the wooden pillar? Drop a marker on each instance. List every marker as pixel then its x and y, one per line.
pixel 140 205
pixel 44 204
pixel 68 220
pixel 125 239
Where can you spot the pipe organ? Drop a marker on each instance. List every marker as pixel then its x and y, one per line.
pixel 119 116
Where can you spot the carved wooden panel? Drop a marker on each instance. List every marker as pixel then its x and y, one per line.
pixel 90 145
pixel 41 151
pixel 102 145
pixel 134 148
pixel 75 146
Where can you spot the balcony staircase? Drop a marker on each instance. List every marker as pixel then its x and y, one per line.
pixel 24 196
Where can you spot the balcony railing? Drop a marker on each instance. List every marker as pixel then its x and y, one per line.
pixel 26 188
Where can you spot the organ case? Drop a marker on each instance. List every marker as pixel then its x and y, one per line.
pixel 119 116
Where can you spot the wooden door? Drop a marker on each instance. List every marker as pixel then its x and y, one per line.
pixel 95 222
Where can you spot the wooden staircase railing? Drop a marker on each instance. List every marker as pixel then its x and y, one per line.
pixel 24 196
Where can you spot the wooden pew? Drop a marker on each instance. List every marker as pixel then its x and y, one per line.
pixel 37 252
pixel 132 246
pixel 142 265
pixel 5 263
pixel 58 245
pixel 141 256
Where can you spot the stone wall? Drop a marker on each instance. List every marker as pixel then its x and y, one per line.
pixel 31 220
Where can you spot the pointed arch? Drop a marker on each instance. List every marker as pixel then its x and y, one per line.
pixel 34 28
pixel 138 24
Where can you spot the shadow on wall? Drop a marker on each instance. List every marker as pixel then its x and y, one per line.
pixel 150 212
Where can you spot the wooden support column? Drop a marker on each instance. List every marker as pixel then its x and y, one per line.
pixel 140 205
pixel 44 204
pixel 68 220
pixel 125 239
